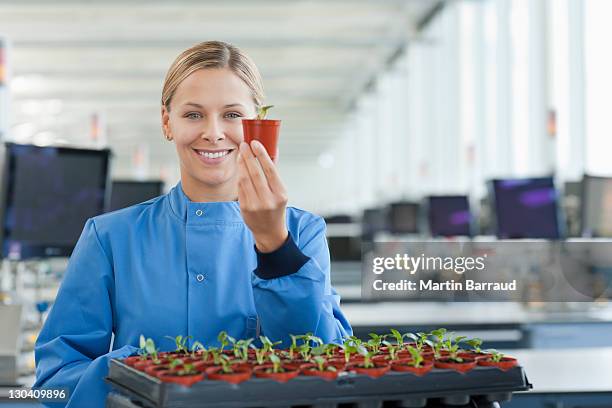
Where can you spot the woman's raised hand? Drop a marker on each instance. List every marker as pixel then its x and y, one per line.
pixel 262 197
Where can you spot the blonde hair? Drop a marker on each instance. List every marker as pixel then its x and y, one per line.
pixel 212 54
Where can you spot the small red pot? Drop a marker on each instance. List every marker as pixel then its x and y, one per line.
pixel 473 355
pixel 133 360
pixel 265 130
pixel 156 370
pixel 261 372
pixel 505 364
pixel 239 375
pixel 378 371
pixel 313 372
pixel 185 380
pixel 403 366
pixel 463 367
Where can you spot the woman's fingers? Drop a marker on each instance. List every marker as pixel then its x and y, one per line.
pixel 269 169
pixel 246 191
pixel 255 171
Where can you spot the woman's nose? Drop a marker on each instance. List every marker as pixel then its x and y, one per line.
pixel 213 132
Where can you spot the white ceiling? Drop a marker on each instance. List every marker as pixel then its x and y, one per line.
pixel 70 59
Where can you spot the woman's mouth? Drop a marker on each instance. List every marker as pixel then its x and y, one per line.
pixel 212 156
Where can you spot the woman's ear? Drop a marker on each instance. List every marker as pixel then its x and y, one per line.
pixel 165 119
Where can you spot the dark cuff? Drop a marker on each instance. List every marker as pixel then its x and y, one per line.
pixel 286 260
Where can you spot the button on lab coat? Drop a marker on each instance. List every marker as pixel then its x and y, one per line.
pixel 170 267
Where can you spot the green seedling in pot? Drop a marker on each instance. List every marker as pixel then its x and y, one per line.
pixel 393 349
pixel 276 364
pixel 451 344
pixel 349 346
pixel 225 339
pixel 262 111
pixel 417 359
pixel 475 344
pixel 267 344
pixel 367 356
pixel 226 364
pixel 180 343
pixel 142 351
pixel 149 348
pixel 375 341
pixel 175 362
pixel 199 346
pixel 420 339
pixel 186 369
pixel 241 349
pixel 438 341
pixel 216 354
pixel 496 356
pixel 320 364
pixel 399 338
pixel 260 354
pixel 330 349
pixel 293 348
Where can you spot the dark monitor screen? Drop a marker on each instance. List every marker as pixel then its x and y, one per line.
pixel 449 216
pixel 125 193
pixel 344 248
pixel 526 208
pixel 597 206
pixel 373 220
pixel 48 194
pixel 339 219
pixel 404 218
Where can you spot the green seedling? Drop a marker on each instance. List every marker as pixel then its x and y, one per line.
pixel 367 356
pixel 241 349
pixel 186 369
pixel 420 339
pixel 199 346
pixel 451 344
pixel 399 338
pixel 392 348
pixel 149 349
pixel 475 344
pixel 320 364
pixel 180 343
pixel 262 111
pixel 226 364
pixel 225 339
pixel 330 349
pixel 276 364
pixel 260 354
pixel 496 356
pixel 216 354
pixel 417 358
pixel 293 347
pixel 375 341
pixel 350 346
pixel 268 345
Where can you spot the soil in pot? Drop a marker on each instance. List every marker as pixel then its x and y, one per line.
pixel 405 366
pixel 504 364
pixel 266 371
pixel 186 380
pixel 378 370
pixel 464 366
pixel 238 375
pixel 473 355
pixel 314 372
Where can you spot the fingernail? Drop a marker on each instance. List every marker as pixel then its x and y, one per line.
pixel 257 144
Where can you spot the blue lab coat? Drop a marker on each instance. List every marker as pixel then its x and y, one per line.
pixel 170 267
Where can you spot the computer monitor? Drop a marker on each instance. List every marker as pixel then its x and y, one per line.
pixel 47 195
pixel 597 206
pixel 338 219
pixel 374 220
pixel 344 248
pixel 449 216
pixel 125 193
pixel 404 217
pixel 526 208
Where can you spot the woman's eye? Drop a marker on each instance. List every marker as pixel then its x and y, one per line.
pixel 233 115
pixel 193 115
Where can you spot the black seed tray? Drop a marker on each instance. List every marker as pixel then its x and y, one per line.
pixel 480 387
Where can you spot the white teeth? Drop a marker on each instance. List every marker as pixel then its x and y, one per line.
pixel 214 155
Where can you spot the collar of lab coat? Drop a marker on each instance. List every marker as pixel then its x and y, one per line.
pixel 202 213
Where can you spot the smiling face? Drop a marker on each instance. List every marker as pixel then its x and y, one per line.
pixel 205 122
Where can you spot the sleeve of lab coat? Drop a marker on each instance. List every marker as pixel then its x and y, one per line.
pixel 72 350
pixel 292 289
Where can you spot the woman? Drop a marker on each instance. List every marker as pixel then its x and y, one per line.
pixel 195 261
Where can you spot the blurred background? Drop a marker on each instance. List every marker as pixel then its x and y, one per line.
pixel 401 120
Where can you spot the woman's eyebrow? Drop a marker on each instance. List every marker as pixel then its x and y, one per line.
pixel 197 105
pixel 231 105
